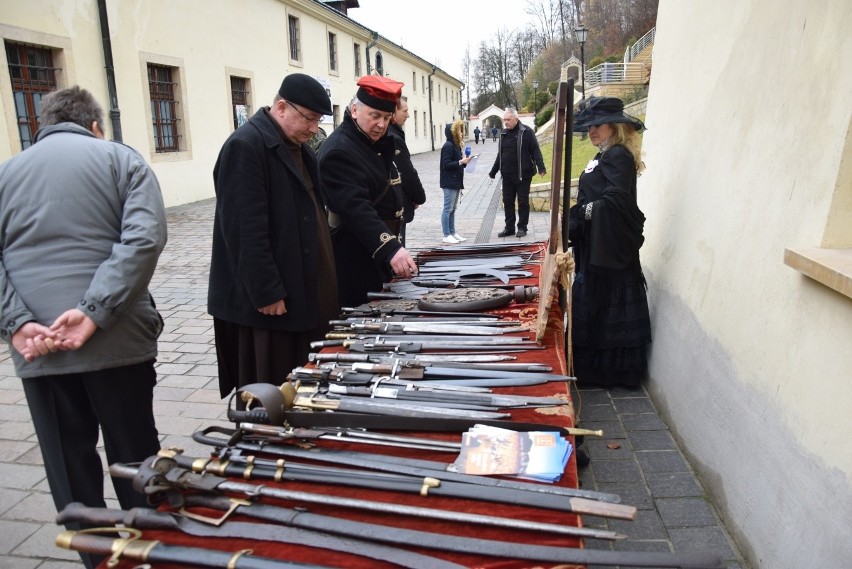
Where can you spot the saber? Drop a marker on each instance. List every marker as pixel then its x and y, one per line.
pixel 484 361
pixel 414 393
pixel 274 411
pixel 436 328
pixel 234 465
pixel 398 465
pixel 155 552
pixel 414 347
pixel 148 519
pixel 438 372
pixel 491 548
pixel 380 310
pixel 336 339
pixel 355 436
pixel 161 478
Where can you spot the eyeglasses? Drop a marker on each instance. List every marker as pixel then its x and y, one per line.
pixel 306 117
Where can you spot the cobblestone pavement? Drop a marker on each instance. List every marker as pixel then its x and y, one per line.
pixel 646 468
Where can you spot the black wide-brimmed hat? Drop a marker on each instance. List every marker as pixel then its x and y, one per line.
pixel 306 91
pixel 603 110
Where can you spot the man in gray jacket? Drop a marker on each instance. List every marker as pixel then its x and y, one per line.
pixel 82 225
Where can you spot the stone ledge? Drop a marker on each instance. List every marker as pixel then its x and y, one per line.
pixel 831 267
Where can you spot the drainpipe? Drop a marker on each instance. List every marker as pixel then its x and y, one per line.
pixel 114 113
pixel 374 39
pixel 431 121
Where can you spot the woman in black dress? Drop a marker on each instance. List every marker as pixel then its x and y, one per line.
pixel 611 325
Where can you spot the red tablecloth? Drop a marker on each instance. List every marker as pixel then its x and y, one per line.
pixel 554 355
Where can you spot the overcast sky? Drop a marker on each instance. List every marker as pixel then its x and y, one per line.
pixel 439 31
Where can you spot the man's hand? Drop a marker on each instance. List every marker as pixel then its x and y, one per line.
pixel 73 329
pixel 542 172
pixel 275 309
pixel 402 264
pixel 33 340
pixel 492 175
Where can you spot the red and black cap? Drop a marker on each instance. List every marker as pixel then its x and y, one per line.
pixel 379 92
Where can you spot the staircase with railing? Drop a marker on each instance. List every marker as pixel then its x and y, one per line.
pixel 619 78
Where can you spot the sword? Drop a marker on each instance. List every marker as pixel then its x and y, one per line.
pixel 397 465
pixel 356 436
pixel 234 465
pixel 145 518
pixel 381 310
pixel 159 476
pixel 414 347
pixel 436 372
pixel 156 552
pixel 436 328
pixel 414 393
pixel 486 361
pixel 425 338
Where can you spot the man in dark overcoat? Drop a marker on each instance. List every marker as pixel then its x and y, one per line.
pixel 363 193
pixel 273 287
pixel 413 194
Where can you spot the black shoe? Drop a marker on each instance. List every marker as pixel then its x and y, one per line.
pixel 506 232
pixel 521 233
pixel 583 459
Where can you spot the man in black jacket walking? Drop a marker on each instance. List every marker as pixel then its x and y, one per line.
pixel 518 157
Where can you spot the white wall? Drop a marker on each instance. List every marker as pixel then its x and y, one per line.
pixel 208 40
pixel 749 121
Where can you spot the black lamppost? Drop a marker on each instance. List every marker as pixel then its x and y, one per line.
pixel 535 102
pixel 581 33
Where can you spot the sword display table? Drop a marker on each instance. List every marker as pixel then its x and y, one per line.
pixel 553 355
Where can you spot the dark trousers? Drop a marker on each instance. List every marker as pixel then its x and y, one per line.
pixel 520 190
pixel 67 411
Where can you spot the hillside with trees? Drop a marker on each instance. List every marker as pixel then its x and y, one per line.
pixel 501 69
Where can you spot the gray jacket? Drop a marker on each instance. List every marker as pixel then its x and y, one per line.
pixel 82 224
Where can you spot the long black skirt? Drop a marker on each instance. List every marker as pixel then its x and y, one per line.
pixel 611 326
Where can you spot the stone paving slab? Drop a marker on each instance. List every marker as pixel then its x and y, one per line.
pixel 647 468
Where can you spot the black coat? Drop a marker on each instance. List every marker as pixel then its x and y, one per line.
pixel 361 185
pixel 613 240
pixel 452 173
pixel 265 231
pixel 528 155
pixel 412 189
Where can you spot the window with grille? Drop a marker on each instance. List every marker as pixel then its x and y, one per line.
pixel 240 100
pixel 332 51
pixel 295 38
pixel 164 107
pixel 380 63
pixel 415 124
pixel 33 75
pixel 423 83
pixel 414 81
pixel 356 58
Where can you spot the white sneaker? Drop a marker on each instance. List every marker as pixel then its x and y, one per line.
pixel 459 237
pixel 450 239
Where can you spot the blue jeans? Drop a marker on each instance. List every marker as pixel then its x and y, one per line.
pixel 448 215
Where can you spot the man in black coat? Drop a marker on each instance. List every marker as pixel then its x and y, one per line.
pixel 518 156
pixel 272 287
pixel 363 193
pixel 413 194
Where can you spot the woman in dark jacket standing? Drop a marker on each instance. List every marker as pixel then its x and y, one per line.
pixel 452 179
pixel 611 323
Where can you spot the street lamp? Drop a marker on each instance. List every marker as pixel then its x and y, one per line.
pixel 535 102
pixel 581 33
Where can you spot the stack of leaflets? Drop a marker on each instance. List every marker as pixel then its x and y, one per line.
pixel 535 455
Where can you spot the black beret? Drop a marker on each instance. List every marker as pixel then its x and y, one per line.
pixel 306 91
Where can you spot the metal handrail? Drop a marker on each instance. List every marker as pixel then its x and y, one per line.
pixel 642 43
pixel 606 73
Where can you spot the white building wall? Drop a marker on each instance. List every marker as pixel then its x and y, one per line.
pixel 748 150
pixel 207 40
